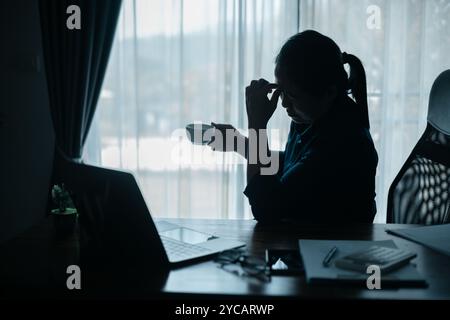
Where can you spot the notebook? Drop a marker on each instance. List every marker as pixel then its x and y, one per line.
pixel 314 251
pixel 436 237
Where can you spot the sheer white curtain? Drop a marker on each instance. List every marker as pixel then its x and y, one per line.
pixel 175 62
pixel 402 58
pixel 179 61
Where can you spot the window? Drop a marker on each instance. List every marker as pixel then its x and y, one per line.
pixel 179 61
pixel 402 59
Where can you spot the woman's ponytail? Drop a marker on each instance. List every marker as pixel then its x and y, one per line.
pixel 357 85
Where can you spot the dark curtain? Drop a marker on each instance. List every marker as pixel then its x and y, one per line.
pixel 75 64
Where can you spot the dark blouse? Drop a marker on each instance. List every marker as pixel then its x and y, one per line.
pixel 326 174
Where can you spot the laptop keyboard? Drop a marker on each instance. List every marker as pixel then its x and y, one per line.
pixel 177 250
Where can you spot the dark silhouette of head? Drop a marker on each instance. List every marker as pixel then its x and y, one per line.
pixel 311 74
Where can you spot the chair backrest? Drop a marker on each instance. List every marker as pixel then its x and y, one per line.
pixel 439 104
pixel 420 192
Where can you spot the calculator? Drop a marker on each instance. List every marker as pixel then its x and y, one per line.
pixel 387 259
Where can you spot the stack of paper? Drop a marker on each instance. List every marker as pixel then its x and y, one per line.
pixel 314 251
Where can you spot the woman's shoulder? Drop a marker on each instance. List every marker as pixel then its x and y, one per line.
pixel 348 120
pixel 346 131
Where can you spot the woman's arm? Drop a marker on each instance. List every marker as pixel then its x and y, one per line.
pixel 257 148
pixel 234 141
pixel 227 138
pixel 259 110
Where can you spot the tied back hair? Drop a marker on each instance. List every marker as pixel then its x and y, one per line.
pixel 315 63
pixel 357 85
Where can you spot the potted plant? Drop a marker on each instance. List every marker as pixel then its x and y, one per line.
pixel 64 213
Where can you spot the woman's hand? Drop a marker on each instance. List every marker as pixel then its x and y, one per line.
pixel 259 107
pixel 227 138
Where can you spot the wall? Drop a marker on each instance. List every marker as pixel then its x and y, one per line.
pixel 26 134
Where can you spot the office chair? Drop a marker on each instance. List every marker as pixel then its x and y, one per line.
pixel 420 192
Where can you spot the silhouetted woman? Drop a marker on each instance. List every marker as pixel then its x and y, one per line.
pixel 327 171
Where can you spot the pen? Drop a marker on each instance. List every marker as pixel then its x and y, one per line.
pixel 329 256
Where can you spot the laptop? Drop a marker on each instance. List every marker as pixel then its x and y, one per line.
pixel 116 219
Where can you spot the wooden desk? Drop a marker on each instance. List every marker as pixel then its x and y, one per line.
pixel 33 263
pixel 205 279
